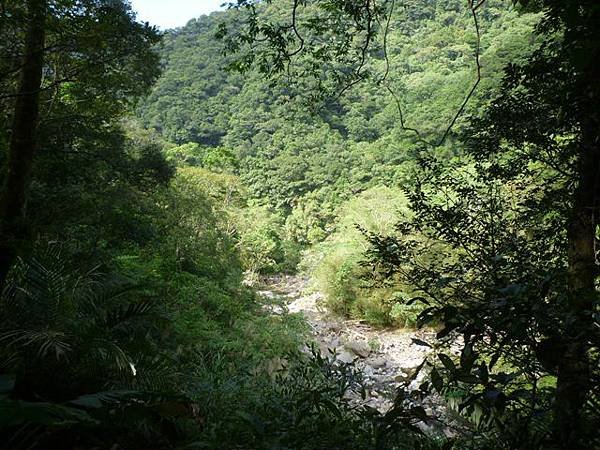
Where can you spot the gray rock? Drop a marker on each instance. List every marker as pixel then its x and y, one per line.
pixel 359 348
pixel 410 370
pixel 376 361
pixel 414 385
pixel 401 377
pixel 334 342
pixel 335 327
pixel 345 357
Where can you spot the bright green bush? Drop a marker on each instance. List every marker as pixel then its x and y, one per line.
pixel 339 262
pixel 261 241
pixel 311 219
pixel 189 154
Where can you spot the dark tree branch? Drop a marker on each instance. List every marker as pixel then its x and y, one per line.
pixel 478 65
pixel 295 29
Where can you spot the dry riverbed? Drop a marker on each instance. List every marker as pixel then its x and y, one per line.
pixel 385 357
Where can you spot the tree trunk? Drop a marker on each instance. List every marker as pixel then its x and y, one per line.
pixel 573 381
pixel 13 197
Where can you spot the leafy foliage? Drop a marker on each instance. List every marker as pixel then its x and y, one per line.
pixel 125 322
pixel 290 154
pixel 340 273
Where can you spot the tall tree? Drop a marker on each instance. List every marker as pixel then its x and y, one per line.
pixel 541 138
pixel 570 70
pixel 552 99
pixel 80 65
pixel 23 139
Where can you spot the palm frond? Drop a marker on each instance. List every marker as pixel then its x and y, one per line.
pixel 44 342
pixel 155 372
pixel 110 353
pixel 100 399
pixel 126 313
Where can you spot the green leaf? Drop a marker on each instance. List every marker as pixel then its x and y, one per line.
pixel 100 399
pixel 436 380
pixel 447 362
pixel 420 342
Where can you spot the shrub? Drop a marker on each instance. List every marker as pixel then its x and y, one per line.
pixel 262 243
pixel 309 403
pixel 338 264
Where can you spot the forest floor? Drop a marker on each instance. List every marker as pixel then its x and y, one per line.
pixel 385 357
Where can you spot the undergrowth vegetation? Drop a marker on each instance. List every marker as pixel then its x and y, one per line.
pixel 428 164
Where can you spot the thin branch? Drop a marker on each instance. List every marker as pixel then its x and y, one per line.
pixel 365 47
pixel 386 85
pixel 478 5
pixel 473 8
pixel 295 29
pixel 385 40
pixel 478 64
pixel 363 50
pixel 358 73
pixel 402 121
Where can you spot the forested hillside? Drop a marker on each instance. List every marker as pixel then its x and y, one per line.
pixel 304 156
pixel 300 225
pixel 293 152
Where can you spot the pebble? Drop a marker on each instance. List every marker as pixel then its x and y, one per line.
pixel 345 357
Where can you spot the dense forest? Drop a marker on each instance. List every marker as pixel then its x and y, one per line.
pixel 184 215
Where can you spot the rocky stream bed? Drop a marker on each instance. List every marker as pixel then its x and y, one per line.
pixel 385 357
